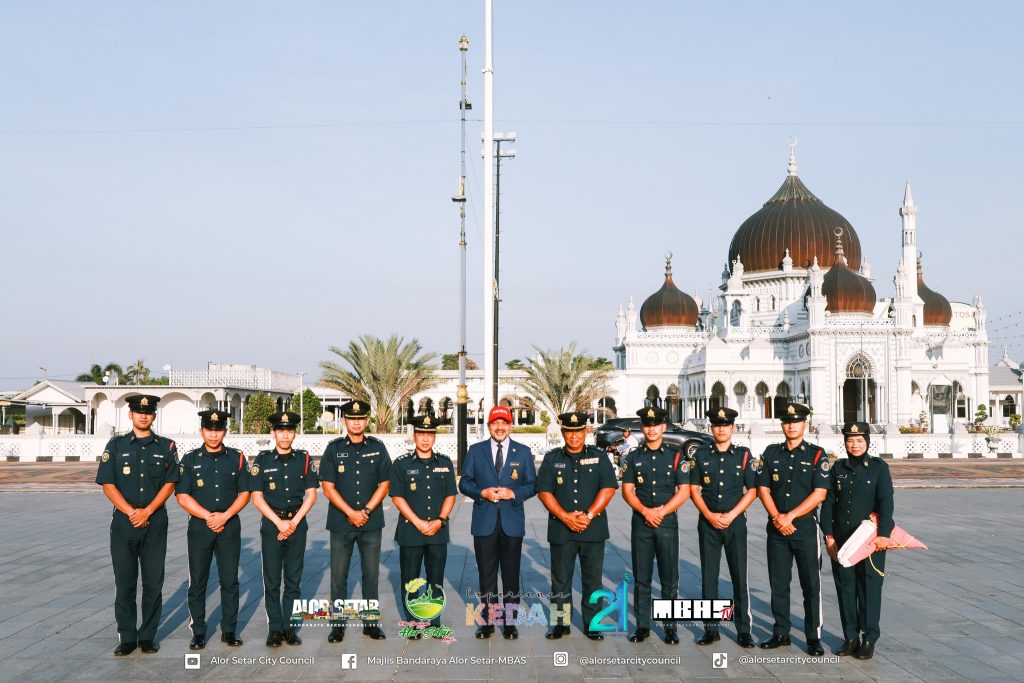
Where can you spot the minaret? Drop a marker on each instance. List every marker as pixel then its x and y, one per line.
pixel 620 326
pixel 909 213
pixel 630 316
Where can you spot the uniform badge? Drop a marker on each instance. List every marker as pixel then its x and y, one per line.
pixel 272 486
pixel 126 470
pixel 105 457
pixel 685 467
pixel 515 474
pixel 625 464
pixel 825 465
pixel 839 486
pixel 144 401
pixel 756 465
pixel 181 469
pixel 640 479
pixel 707 480
pixel 341 469
pixel 199 483
pixel 560 480
pixel 775 476
pixel 255 470
pixel 412 486
pixel 791 410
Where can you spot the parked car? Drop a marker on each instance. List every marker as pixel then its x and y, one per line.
pixel 610 433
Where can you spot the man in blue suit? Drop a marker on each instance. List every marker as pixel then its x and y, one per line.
pixel 499 475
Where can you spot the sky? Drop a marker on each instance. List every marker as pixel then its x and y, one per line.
pixel 254 182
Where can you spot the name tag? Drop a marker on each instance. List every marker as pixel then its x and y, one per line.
pixel 270 469
pixel 442 469
pixel 156 455
pixel 411 471
pixel 590 461
pixel 370 455
pixel 560 465
pixel 197 467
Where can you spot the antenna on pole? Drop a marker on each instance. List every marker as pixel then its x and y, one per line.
pixel 462 396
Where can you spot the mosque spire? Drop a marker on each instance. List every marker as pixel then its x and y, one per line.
pixel 792 156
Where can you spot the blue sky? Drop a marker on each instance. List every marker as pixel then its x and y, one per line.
pixel 252 182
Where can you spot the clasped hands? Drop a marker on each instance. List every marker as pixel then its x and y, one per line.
pixel 784 523
pixel 139 518
pixel 497 493
pixel 285 528
pixel 720 520
pixel 576 521
pixel 429 528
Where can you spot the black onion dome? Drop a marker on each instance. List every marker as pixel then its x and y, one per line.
pixel 669 306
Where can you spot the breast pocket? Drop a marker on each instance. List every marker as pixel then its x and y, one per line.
pixel 156 470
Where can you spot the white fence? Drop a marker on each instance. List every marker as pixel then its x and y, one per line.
pixel 87 448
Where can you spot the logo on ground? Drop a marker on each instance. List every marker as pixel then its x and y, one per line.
pixel 616 606
pixel 349 661
pixel 561 659
pixel 423 605
pixel 192 662
pixel 720 660
pixel 691 610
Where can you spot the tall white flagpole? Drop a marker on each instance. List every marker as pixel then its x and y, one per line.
pixel 488 298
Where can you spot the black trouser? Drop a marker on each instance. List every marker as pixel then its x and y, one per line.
pixel 133 549
pixel 498 551
pixel 342 543
pixel 734 541
pixel 803 548
pixel 203 546
pixel 413 558
pixel 282 558
pixel 563 562
pixel 859 589
pixel 661 543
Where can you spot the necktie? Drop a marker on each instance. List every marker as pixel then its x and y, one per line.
pixel 498 462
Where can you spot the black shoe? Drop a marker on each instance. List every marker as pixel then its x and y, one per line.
pixel 274 639
pixel 774 642
pixel 230 639
pixel 556 632
pixel 483 632
pixel 671 637
pixel 510 633
pixel 291 637
pixel 865 651
pixel 125 649
pixel 336 635
pixel 150 647
pixel 375 632
pixel 849 647
pixel 814 647
pixel 594 635
pixel 639 635
pixel 710 636
pixel 745 640
pixel 198 643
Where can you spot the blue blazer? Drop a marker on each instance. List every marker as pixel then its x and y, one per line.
pixel 478 474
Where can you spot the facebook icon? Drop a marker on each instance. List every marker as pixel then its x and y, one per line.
pixel 349 661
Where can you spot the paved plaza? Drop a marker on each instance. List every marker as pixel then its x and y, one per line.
pixel 953 612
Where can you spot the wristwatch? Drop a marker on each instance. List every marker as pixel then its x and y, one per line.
pixel 589 515
pixel 444 521
pixel 367 511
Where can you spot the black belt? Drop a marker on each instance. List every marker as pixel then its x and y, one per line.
pixel 285 514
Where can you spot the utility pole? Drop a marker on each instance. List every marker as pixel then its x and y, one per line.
pixel 499 154
pixel 462 396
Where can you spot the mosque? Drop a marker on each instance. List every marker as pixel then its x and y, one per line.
pixel 797 317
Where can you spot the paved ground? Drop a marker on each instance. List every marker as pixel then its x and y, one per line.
pixel 953 612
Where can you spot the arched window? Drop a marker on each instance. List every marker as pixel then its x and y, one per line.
pixel 757 304
pixel 735 314
pixel 773 302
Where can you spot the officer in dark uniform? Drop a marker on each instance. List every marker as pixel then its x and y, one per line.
pixel 859 485
pixel 723 484
pixel 423 489
pixel 137 471
pixel 792 482
pixel 213 488
pixel 655 483
pixel 575 483
pixel 355 473
pixel 283 484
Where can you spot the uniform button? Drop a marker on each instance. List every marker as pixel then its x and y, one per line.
pixel 719 495
pixel 575 501
pixel 787 495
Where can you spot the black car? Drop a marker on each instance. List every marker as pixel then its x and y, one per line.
pixel 610 433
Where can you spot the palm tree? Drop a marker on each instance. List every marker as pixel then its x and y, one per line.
pixel 97 372
pixel 565 380
pixel 137 373
pixel 383 372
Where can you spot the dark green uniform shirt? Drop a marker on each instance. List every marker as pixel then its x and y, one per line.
pixel 655 476
pixel 356 470
pixel 858 486
pixel 283 479
pixel 213 479
pixel 793 475
pixel 424 483
pixel 574 480
pixel 138 467
pixel 723 476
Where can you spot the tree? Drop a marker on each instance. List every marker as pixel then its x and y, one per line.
pixel 137 373
pixel 383 372
pixel 514 364
pixel 96 373
pixel 311 408
pixel 600 362
pixel 565 380
pixel 450 361
pixel 258 409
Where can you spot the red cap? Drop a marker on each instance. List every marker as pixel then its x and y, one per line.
pixel 499 413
